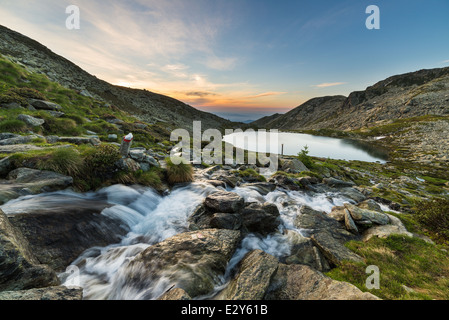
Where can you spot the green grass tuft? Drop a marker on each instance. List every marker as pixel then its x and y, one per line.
pixel 179 173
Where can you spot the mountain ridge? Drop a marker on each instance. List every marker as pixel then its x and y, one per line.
pixel 408 95
pixel 147 106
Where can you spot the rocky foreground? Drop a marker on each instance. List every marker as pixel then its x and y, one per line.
pixel 36 246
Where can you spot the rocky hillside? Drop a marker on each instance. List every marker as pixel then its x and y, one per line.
pixel 148 106
pixel 420 93
pixel 309 114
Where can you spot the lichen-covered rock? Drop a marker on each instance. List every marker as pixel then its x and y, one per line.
pixel 253 278
pixel 19 268
pixel 299 282
pixel 50 293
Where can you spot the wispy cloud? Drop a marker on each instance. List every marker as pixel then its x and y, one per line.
pixel 327 84
pixel 446 61
pixel 266 94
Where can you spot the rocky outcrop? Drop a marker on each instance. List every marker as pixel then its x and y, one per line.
pixel 49 293
pixel 424 92
pixel 261 276
pixel 228 210
pixel 224 201
pixel 192 261
pixel 25 181
pixel 19 268
pixel 328 235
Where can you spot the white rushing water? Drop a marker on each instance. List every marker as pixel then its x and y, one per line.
pixel 153 218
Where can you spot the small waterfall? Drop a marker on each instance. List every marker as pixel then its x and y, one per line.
pixel 152 218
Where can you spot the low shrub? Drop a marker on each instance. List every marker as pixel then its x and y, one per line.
pixel 13 125
pixel 101 162
pixel 179 173
pixel 67 161
pixel 61 126
pixel 304 157
pixel 28 93
pixel 434 215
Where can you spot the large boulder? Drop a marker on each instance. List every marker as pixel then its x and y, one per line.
pixel 50 293
pixel 58 234
pixel 260 218
pixel 252 217
pixel 327 234
pixel 193 261
pixel 31 121
pixel 303 251
pixel 299 282
pixel 19 268
pixel 224 201
pixel 293 165
pixel 262 277
pixel 253 278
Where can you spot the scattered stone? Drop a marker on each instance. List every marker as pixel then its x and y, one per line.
pixel 5 166
pixel 285 182
pixel 263 188
pixel 332 247
pixel 349 223
pixel 294 165
pixel 7 135
pixel 337 183
pixel 112 137
pixel 31 121
pixel 45 105
pixel 353 194
pixel 56 114
pixel 18 140
pixel 367 217
pixel 128 164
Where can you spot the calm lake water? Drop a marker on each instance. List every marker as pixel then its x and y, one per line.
pixel 293 143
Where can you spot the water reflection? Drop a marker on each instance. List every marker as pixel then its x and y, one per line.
pixel 324 147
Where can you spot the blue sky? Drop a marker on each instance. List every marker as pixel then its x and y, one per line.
pixel 248 58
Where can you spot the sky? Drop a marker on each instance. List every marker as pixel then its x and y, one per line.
pixel 240 59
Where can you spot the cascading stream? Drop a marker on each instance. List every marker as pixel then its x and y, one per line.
pixel 152 218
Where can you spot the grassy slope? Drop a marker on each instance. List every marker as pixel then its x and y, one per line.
pixel 81 114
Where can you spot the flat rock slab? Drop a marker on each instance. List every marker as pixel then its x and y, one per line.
pixel 49 293
pixel 25 181
pixel 59 228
